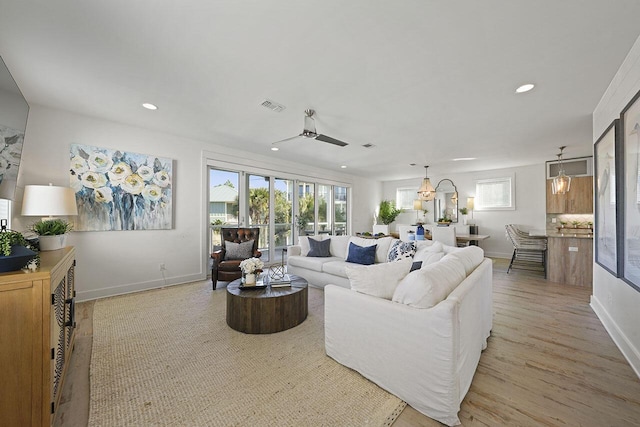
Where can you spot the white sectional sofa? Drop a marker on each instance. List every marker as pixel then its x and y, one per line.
pixel 421 336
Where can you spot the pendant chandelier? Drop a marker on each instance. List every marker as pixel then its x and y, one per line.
pixel 426 191
pixel 562 182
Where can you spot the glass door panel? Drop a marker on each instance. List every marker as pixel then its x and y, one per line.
pixel 339 210
pixel 324 209
pixel 306 209
pixel 223 202
pixel 283 223
pixel 258 203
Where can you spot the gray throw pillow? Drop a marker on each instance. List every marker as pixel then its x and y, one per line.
pixel 235 250
pixel 319 248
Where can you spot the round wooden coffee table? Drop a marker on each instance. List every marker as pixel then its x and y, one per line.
pixel 267 310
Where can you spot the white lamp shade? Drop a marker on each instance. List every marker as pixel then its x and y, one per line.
pixel 417 205
pixel 48 200
pixel 470 203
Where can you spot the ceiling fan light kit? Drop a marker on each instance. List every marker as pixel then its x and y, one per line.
pixel 309 131
pixel 561 183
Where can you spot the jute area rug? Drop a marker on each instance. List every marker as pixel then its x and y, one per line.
pixel 167 358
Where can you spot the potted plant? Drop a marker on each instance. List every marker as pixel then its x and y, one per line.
pixel 52 233
pixel 14 251
pixel 388 212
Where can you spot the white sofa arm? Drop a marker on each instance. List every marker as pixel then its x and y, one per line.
pixel 294 250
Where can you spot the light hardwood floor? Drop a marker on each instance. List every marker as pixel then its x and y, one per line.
pixel 549 362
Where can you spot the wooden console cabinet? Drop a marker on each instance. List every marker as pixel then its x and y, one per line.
pixel 570 260
pixel 37 325
pixel 579 199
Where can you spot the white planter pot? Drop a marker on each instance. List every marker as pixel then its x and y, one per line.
pixel 52 243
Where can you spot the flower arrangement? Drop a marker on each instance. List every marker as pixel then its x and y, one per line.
pixel 251 265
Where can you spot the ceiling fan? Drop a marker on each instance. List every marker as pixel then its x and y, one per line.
pixel 309 131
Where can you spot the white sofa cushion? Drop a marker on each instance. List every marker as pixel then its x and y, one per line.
pixel 427 258
pixel 470 256
pixel 378 280
pixel 381 251
pixel 339 246
pixel 337 268
pixel 310 263
pixel 426 287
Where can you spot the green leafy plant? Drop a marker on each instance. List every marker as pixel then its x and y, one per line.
pixel 51 227
pixel 576 224
pixel 11 238
pixel 388 212
pixel 463 211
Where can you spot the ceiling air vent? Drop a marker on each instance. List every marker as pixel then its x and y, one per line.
pixel 368 145
pixel 273 106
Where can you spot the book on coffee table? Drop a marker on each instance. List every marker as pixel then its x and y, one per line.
pixel 284 281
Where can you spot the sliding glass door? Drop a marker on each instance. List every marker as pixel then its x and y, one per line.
pixel 282 208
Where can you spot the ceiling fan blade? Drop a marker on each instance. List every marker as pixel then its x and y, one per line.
pixel 325 138
pixel 286 139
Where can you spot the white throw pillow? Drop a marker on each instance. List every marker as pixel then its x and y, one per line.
pixel 422 249
pixel 426 287
pixel 470 256
pixel 378 280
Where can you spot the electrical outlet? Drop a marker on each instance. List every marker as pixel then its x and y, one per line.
pixel 162 267
pixel 553 220
pixel 573 249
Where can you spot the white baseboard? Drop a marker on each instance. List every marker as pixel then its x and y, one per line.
pixel 630 353
pixel 136 287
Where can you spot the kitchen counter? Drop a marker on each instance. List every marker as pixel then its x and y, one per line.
pixel 570 258
pixel 568 233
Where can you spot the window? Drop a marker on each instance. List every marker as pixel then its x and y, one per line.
pixel 405 197
pixel 495 194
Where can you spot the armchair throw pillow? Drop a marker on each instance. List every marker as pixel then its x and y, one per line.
pixel 362 255
pixel 235 250
pixel 319 248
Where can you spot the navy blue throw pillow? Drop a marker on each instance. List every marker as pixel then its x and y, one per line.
pixel 319 248
pixel 362 255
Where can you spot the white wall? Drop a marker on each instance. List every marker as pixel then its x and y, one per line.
pixel 616 303
pixel 530 185
pixel 116 262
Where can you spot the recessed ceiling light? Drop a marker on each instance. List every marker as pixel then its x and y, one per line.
pixel 459 159
pixel 274 149
pixel 149 106
pixel 525 88
pixel 343 166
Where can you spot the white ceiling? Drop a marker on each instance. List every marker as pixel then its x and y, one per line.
pixel 425 81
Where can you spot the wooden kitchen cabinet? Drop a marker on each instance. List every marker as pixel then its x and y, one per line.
pixel 579 199
pixel 570 260
pixel 37 325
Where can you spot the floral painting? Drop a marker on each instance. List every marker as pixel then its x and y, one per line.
pixel 11 141
pixel 119 190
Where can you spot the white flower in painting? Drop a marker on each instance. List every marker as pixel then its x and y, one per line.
pixel 99 162
pixel 79 165
pixel 133 184
pixel 145 172
pixel 76 184
pixel 93 179
pixel 103 195
pixel 118 173
pixel 250 265
pixel 162 178
pixel 152 193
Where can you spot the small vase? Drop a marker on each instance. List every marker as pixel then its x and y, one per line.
pixel 249 279
pixel 464 220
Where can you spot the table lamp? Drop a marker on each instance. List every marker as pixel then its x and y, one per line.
pixel 47 201
pixel 417 206
pixel 470 205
